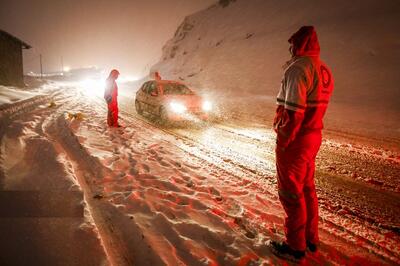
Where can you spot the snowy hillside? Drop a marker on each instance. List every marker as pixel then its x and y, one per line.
pixel 242 47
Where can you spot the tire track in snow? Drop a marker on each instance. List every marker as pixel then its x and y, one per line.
pixel 240 166
pixel 122 249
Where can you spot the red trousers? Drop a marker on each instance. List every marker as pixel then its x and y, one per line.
pixel 112 116
pixel 295 170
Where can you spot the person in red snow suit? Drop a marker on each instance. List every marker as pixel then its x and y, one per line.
pixel 111 95
pixel 157 75
pixel 302 101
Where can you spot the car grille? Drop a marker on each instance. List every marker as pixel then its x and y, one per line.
pixel 195 110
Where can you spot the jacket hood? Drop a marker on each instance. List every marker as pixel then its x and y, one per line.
pixel 113 74
pixel 305 42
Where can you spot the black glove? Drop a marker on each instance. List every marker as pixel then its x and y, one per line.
pixel 108 98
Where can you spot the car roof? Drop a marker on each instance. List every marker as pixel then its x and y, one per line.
pixel 164 81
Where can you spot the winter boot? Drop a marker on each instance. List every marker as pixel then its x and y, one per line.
pixel 312 247
pixel 283 251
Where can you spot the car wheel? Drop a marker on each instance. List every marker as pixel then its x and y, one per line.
pixel 138 107
pixel 163 115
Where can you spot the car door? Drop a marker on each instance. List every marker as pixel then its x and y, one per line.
pixel 142 98
pixel 153 97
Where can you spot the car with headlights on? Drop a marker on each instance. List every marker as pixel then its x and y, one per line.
pixel 171 101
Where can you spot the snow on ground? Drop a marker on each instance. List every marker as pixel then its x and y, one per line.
pixel 186 195
pixel 202 202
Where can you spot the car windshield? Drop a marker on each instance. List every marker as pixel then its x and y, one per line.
pixel 176 89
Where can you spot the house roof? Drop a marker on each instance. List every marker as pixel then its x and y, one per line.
pixel 24 44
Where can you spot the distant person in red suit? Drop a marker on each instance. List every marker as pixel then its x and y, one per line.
pixel 302 102
pixel 157 76
pixel 111 95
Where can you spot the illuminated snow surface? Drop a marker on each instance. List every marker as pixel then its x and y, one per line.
pixel 185 194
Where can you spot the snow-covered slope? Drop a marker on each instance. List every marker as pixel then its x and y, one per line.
pixel 242 47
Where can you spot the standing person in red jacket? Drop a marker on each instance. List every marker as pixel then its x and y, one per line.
pixel 302 101
pixel 157 75
pixel 111 95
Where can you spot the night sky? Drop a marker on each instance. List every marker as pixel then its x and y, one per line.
pixel 127 34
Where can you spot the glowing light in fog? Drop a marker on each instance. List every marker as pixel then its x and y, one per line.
pixel 92 87
pixel 207 106
pixel 67 69
pixel 177 107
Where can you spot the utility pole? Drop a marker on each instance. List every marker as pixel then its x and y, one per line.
pixel 41 67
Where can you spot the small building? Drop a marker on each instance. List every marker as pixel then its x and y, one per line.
pixel 11 64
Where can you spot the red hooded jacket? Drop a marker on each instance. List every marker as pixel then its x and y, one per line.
pixel 111 89
pixel 305 90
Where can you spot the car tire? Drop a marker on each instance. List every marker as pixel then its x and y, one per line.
pixel 138 107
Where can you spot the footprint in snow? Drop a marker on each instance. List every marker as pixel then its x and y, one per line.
pixel 199 177
pixel 133 171
pixel 152 152
pixel 213 191
pixel 145 167
pixel 191 166
pixel 120 175
pixel 132 161
pixel 183 169
pixel 133 150
pixel 153 146
pixel 163 163
pixel 247 230
pixel 184 177
pixel 234 208
pixel 176 164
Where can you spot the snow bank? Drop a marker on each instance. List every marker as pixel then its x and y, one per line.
pixel 10 95
pixel 242 47
pixel 43 214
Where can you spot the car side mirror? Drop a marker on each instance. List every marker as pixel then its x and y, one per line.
pixel 153 93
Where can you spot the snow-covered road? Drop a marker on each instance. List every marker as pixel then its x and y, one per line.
pixel 192 195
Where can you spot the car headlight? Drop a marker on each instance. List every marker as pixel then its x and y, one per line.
pixel 177 107
pixel 207 106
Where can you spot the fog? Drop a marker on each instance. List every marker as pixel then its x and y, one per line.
pixel 127 35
